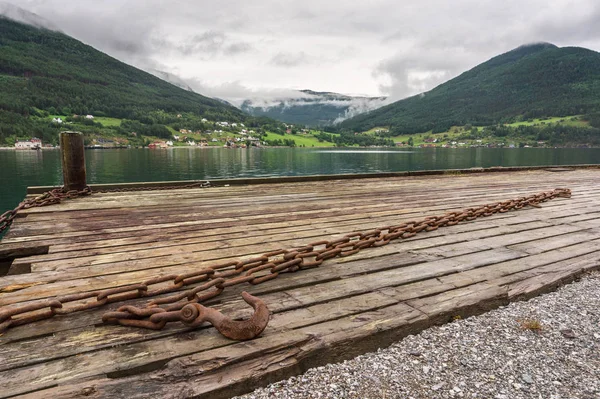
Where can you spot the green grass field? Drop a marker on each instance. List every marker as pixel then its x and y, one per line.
pixel 301 140
pixel 563 120
pixel 106 121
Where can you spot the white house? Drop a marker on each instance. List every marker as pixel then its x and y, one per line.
pixel 89 117
pixel 57 120
pixel 33 144
pixel 204 120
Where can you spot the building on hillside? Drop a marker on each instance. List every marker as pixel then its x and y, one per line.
pixel 159 144
pixel 57 121
pixel 33 144
pixel 89 117
pixel 254 141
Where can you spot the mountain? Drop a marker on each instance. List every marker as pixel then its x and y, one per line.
pixel 530 81
pixel 46 71
pixel 312 108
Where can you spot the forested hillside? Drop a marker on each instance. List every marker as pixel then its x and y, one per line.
pixel 43 72
pixel 528 82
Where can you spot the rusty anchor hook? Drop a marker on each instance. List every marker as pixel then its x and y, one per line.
pixel 194 314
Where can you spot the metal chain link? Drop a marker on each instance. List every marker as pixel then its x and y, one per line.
pixel 256 270
pixel 51 197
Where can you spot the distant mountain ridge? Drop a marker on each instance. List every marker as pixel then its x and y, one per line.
pixel 312 108
pixel 530 81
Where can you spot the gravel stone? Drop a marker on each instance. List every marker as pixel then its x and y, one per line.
pixel 499 354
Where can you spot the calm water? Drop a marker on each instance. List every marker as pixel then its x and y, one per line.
pixel 19 169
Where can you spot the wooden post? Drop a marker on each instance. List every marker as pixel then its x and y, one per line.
pixel 73 160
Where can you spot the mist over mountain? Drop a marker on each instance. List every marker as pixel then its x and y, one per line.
pixel 311 108
pixel 18 14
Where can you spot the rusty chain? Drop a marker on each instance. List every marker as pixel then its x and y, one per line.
pixel 215 278
pixel 51 197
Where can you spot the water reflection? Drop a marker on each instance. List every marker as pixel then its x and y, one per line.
pixel 19 169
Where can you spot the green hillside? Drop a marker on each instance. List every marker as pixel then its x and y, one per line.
pixel 529 82
pixel 43 72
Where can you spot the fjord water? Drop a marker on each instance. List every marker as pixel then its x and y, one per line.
pixel 20 169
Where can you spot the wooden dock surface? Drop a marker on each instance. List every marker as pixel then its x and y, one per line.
pixel 346 307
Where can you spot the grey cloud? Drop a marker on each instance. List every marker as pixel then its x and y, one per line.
pixel 212 43
pixel 577 26
pixel 209 42
pixel 290 60
pixel 238 48
pixel 419 70
pixel 305 14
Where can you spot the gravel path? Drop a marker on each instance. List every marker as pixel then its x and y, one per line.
pixel 547 348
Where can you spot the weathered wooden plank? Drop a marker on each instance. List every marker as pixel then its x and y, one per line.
pixel 523 240
pixel 282 240
pixel 163 228
pixel 462 302
pixel 585 250
pixel 546 243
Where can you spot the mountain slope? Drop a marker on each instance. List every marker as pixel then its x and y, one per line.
pixel 312 108
pixel 530 81
pixel 44 69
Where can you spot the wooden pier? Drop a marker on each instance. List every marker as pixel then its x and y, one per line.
pixel 346 307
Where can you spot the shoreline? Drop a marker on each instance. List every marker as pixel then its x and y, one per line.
pixel 314 147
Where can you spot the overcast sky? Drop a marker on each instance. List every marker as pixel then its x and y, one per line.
pixel 239 48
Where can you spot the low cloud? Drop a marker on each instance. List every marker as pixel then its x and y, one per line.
pixel 15 13
pixel 360 106
pixel 290 60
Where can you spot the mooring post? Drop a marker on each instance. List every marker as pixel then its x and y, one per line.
pixel 73 160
